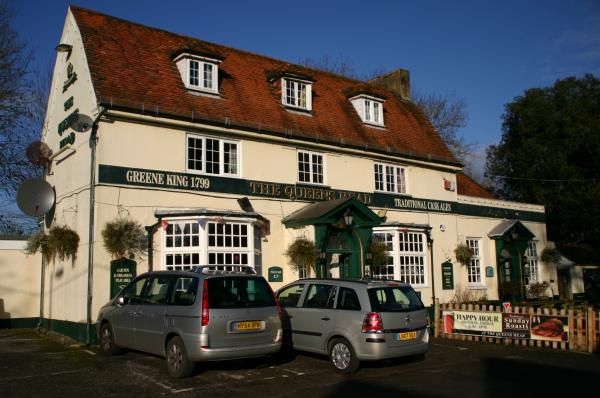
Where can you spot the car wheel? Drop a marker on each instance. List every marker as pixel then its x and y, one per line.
pixel 107 340
pixel 178 363
pixel 342 356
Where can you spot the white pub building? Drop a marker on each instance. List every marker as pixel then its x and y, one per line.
pixel 227 157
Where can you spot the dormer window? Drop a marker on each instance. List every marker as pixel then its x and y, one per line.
pixel 296 93
pixel 199 73
pixel 370 109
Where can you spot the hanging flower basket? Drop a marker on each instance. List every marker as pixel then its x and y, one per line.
pixel 550 255
pixel 124 238
pixel 302 253
pixel 463 254
pixel 61 242
pixel 379 253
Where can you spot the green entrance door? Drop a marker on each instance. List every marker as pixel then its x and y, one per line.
pixel 346 266
pixel 511 238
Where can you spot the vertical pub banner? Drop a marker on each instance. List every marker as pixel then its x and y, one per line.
pixel 122 272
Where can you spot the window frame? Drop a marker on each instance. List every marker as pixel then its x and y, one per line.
pixel 365 108
pixel 221 163
pixel 202 63
pixel 476 258
pixel 203 250
pixel 383 184
pixel 297 83
pixel 181 250
pixel 532 263
pixel 311 167
pixel 231 250
pixel 372 115
pixel 396 254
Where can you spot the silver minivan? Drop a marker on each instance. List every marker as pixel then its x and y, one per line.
pixel 190 316
pixel 354 320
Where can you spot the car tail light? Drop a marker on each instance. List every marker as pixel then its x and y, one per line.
pixel 205 304
pixel 372 323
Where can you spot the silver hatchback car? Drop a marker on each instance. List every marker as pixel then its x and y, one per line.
pixel 189 316
pixel 354 320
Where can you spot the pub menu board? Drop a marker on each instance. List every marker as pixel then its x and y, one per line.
pixel 121 273
pixel 507 325
pixel 447 276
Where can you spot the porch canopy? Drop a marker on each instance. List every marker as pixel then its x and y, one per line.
pixel 511 230
pixel 331 212
pixel 343 227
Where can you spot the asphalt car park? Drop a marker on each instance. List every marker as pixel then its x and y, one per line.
pixel 34 364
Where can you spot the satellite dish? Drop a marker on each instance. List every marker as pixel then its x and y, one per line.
pixel 49 217
pixel 39 153
pixel 35 197
pixel 82 124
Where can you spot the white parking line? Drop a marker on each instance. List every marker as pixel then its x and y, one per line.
pixel 162 385
pixel 89 352
pixel 293 371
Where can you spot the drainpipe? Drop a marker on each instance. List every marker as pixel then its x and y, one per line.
pixel 151 230
pixel 430 241
pixel 93 143
pixel 42 283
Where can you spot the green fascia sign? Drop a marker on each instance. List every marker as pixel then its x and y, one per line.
pixel 296 192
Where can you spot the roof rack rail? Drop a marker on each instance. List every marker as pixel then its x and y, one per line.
pixel 222 269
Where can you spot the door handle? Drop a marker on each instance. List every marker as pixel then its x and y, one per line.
pixel 325 319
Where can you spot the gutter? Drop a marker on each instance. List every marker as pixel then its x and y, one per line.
pixel 90 296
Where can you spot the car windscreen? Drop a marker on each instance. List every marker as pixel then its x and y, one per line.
pixel 239 292
pixel 394 299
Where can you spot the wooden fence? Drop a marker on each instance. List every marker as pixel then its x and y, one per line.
pixel 584 327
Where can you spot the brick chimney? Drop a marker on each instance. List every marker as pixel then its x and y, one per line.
pixel 397 81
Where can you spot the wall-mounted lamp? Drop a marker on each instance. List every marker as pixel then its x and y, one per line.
pixel 245 204
pixel 64 48
pixel 348 218
pixel 442 227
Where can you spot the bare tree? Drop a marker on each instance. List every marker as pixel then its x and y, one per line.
pixel 447 114
pixel 342 65
pixel 19 120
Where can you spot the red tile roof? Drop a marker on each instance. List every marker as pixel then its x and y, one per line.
pixel 468 187
pixel 131 68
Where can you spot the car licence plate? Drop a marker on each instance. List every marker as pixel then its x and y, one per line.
pixel 247 325
pixel 406 336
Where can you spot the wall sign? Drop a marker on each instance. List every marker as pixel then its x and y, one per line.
pixel 507 325
pixel 447 276
pixel 108 174
pixel 275 274
pixel 489 271
pixel 121 273
pixel 71 77
pixel 68 104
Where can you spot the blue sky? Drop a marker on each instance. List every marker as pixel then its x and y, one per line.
pixel 486 52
